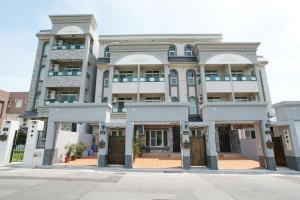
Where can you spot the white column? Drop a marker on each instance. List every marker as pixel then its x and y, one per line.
pixel 111 75
pixel 128 144
pixel 231 83
pixel 84 70
pixel 203 83
pixel 167 87
pixel 211 148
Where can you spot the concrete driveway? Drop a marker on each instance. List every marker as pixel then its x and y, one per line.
pixel 90 184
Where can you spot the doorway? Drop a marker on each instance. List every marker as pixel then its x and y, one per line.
pixel 279 151
pixel 176 139
pixel 224 139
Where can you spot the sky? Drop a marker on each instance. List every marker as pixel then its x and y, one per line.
pixel 274 23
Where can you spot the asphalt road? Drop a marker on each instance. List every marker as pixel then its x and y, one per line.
pixel 44 184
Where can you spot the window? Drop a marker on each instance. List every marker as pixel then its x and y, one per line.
pixel 117 132
pixel 214 99
pixel 19 103
pixel 42 73
pixel 68 127
pixel 237 74
pixel 152 99
pixel 37 99
pixel 241 99
pixel 174 99
pixel 190 77
pixel 250 134
pixel 156 138
pixel 106 79
pixel 106 52
pixel 188 50
pixel 193 106
pixel 42 137
pixel 172 51
pixel 173 77
pixel 46 49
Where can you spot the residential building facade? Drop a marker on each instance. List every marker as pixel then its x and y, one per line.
pixel 168 92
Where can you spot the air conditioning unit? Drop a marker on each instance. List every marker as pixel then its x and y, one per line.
pixel 115 99
pixel 116 72
pixel 60 42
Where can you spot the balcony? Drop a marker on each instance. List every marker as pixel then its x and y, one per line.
pixel 182 59
pixel 65 73
pixel 67 46
pixel 217 78
pixel 61 100
pixel 119 109
pixel 244 78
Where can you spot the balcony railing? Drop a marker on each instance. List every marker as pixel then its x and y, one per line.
pixel 65 99
pixel 217 78
pixel 227 78
pixel 65 73
pixel 244 78
pixel 134 78
pixel 119 109
pixel 67 46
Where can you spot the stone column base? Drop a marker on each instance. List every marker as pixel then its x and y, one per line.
pixel 102 160
pixel 271 163
pixel 212 162
pixel 293 162
pixel 48 156
pixel 128 161
pixel 186 162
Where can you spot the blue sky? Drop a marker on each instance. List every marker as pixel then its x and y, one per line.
pixel 273 23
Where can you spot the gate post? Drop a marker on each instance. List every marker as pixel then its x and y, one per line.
pixel 265 152
pixel 211 148
pixel 7 136
pixel 128 145
pixel 103 145
pixel 185 150
pixel 50 143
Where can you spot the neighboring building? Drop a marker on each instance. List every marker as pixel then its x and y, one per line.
pixel 4 96
pixel 167 91
pixel 16 106
pixel 12 105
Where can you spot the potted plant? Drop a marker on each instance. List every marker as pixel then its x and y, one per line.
pixel 136 147
pixel 70 150
pixel 79 149
pixel 73 153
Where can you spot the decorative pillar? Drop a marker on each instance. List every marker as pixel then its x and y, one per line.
pixel 211 148
pixel 231 83
pixel 203 83
pixel 167 87
pixel 267 147
pixel 103 145
pixel 185 145
pixel 128 145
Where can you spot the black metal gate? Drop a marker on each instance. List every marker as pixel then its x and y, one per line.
pixel 18 147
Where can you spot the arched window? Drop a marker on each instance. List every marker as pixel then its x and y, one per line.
pixel 190 77
pixel 173 77
pixel 188 50
pixel 193 106
pixel 172 51
pixel 106 78
pixel 46 49
pixel 106 52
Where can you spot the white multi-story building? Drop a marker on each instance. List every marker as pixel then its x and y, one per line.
pixel 187 93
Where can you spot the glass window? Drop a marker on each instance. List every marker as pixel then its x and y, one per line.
pixel 188 50
pixel 106 79
pixel 19 103
pixel 193 106
pixel 42 73
pixel 152 99
pixel 106 52
pixel 173 77
pixel 172 51
pixel 190 77
pixel 156 138
pixel 213 99
pixel 46 49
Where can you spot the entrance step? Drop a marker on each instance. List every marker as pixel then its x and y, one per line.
pixel 162 155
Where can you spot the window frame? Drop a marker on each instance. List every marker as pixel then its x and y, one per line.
pixel 186 51
pixel 174 78
pixel 172 50
pixel 106 52
pixel 155 138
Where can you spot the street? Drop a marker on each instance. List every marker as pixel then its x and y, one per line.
pixel 89 184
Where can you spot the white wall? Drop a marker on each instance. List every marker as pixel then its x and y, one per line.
pixel 67 137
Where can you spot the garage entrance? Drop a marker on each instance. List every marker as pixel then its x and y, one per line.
pixel 116 149
pixel 237 146
pixel 198 150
